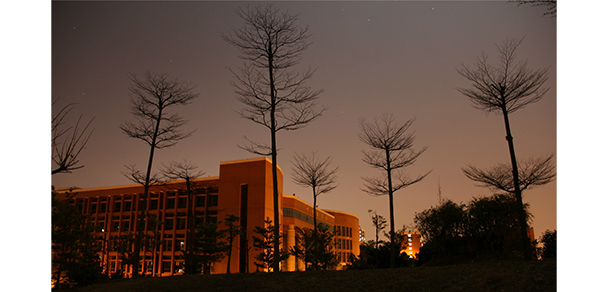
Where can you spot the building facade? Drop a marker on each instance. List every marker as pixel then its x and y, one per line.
pixel 244 188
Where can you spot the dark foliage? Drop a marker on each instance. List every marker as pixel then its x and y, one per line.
pixel 488 227
pixel 74 247
pixel 264 243
pixel 315 251
pixel 377 258
pixel 549 239
pixel 208 248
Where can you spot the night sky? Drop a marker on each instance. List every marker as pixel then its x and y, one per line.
pixel 397 57
pixel 371 58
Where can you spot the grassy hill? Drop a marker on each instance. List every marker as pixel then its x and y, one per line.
pixel 536 276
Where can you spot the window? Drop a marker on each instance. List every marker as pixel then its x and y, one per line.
pixel 117 207
pixel 112 266
pixel 178 266
pixel 199 221
pixel 167 266
pixel 168 245
pixel 179 245
pixel 93 208
pixel 125 226
pixel 200 202
pixel 169 223
pixel 127 206
pixel 182 202
pixel 342 230
pixel 171 203
pixel 102 207
pixel 181 223
pixel 212 219
pixel 213 200
pixel 154 204
pixel 116 225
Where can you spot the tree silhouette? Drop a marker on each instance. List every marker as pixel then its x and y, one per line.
pixel 506 87
pixel 315 251
pixel 275 96
pixel 67 142
pixel 380 224
pixel 187 171
pixel 150 99
pixel 392 152
pixel 265 243
pixel 232 231
pixel 309 172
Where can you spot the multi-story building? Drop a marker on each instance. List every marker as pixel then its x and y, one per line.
pixel 243 188
pixel 411 244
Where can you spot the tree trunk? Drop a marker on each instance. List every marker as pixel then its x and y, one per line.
pixel 513 159
pixel 315 231
pixel 139 226
pixel 391 195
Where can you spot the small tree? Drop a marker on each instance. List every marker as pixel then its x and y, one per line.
pixel 232 231
pixel 392 152
pixel 506 88
pixel 209 247
pixel 309 172
pixel 441 227
pixel 275 96
pixel 67 142
pixel 186 171
pixel 265 243
pixel 316 252
pixel 150 99
pixel 380 224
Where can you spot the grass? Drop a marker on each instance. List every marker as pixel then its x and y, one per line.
pixel 536 276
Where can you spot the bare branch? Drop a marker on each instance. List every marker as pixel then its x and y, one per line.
pixel 137 176
pixel 181 170
pixel 67 142
pixel 313 173
pixel 532 172
pixel 507 86
pixel 551 5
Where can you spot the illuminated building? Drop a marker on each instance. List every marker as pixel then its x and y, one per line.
pixel 411 244
pixel 243 188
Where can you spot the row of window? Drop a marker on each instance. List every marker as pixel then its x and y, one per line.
pixel 123 203
pixel 343 243
pixel 343 231
pixel 170 223
pixel 343 256
pixel 166 266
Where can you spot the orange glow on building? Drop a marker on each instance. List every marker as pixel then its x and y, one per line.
pixel 243 188
pixel 411 244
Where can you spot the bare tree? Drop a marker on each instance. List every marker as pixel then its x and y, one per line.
pixel 186 171
pixel 316 174
pixel 506 87
pixel 150 99
pixel 551 8
pixel 392 152
pixel 380 224
pixel 275 96
pixel 67 142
